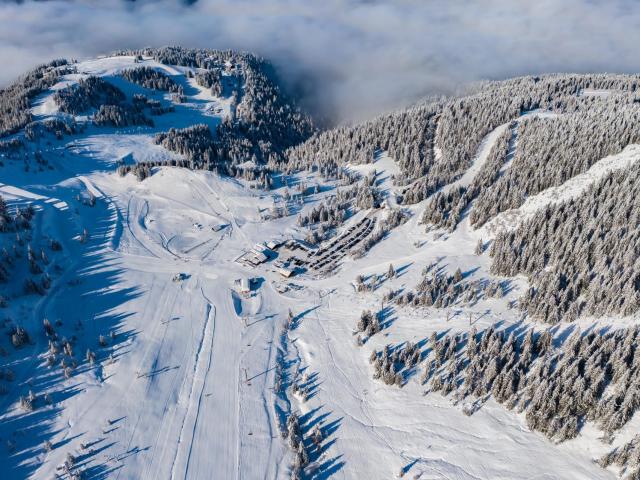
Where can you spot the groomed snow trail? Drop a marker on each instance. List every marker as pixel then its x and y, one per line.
pixel 202 365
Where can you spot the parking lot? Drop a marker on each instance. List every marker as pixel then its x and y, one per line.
pixel 325 257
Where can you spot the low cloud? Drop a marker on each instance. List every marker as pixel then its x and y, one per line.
pixel 353 58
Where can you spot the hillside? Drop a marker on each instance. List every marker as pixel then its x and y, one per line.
pixel 196 283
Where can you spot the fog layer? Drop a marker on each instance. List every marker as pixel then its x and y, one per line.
pixel 353 58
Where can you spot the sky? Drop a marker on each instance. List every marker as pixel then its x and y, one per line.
pixel 353 58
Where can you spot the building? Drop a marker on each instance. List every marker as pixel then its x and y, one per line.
pixel 259 257
pixel 286 272
pixel 272 245
pixel 243 285
pixel 261 252
pixel 254 257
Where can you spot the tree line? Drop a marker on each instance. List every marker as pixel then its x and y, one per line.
pixel 591 377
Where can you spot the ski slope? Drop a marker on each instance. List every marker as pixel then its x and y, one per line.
pixel 570 189
pixel 183 385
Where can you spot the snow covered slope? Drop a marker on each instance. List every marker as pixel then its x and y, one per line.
pixel 156 362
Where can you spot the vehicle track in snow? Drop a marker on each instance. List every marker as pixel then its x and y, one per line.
pixel 150 350
pixel 353 390
pixel 134 236
pixel 138 223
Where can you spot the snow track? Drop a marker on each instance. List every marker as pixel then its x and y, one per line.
pixel 202 365
pixel 480 159
pixel 135 226
pixel 116 214
pixel 168 395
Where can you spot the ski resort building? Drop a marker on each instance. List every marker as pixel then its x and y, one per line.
pixel 258 254
pixel 286 272
pixel 243 285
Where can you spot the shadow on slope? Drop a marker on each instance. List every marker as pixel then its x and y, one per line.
pixel 80 311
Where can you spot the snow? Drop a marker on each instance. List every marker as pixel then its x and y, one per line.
pixel 114 147
pixel 592 92
pixel 480 159
pixel 189 391
pixel 200 106
pixel 572 188
pixel 397 427
pixel 385 168
pixel 113 65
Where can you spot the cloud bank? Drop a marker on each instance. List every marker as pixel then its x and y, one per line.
pixel 355 58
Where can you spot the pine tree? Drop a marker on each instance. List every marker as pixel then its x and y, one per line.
pixel 391 273
pixel 457 276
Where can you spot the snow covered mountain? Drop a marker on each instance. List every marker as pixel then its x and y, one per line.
pixel 196 283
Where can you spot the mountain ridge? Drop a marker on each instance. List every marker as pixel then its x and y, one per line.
pixel 197 281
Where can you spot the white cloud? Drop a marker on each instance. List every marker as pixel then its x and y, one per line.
pixel 358 57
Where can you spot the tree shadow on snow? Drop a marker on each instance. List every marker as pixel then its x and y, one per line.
pixel 87 310
pixel 321 466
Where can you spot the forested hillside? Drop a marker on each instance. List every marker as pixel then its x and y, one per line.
pixel 571 130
